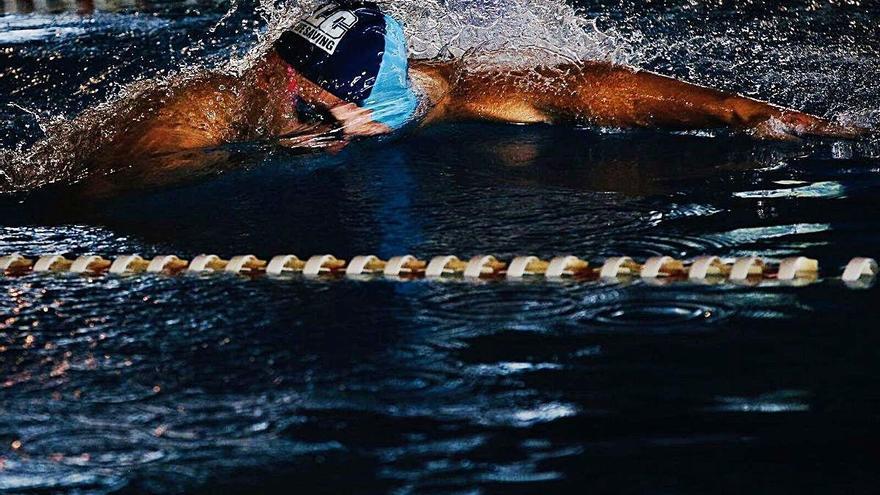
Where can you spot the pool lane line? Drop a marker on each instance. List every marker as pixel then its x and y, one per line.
pixel 800 270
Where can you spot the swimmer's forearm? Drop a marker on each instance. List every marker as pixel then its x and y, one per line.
pixel 620 96
pixel 616 96
pixel 623 97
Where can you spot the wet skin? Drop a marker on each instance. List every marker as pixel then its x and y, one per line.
pixel 259 106
pixel 162 133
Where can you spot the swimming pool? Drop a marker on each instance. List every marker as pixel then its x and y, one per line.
pixel 160 384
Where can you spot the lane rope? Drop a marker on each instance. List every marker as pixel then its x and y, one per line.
pixel 860 272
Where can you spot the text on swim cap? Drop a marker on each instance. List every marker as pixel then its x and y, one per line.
pixel 326 27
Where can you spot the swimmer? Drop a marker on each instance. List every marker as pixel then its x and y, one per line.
pixel 342 73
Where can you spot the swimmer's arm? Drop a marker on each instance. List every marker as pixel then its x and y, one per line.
pixel 620 96
pixel 608 95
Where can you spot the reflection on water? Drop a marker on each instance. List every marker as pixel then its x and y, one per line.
pixel 152 384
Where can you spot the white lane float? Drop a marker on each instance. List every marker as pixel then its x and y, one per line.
pixel 166 263
pixel 444 265
pixel 52 263
pixel 89 264
pixel 403 265
pixel 245 264
pixel 323 263
pixel 792 268
pixel 661 266
pixel 206 263
pixel 7 261
pixel 522 266
pixel 13 262
pixel 398 265
pixel 618 266
pixel 566 266
pixel 707 266
pixel 128 263
pixel 284 263
pixel 743 268
pixel 364 265
pixel 483 265
pixel 858 268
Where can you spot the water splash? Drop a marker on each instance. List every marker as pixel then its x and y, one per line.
pixel 499 32
pixel 509 33
pixel 503 32
pixel 807 72
pixel 807 55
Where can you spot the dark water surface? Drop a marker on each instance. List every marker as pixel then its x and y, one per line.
pixel 202 384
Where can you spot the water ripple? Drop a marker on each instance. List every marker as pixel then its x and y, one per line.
pixel 660 314
pixel 501 303
pixel 96 446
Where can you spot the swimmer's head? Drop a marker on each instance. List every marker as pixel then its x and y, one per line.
pixel 357 53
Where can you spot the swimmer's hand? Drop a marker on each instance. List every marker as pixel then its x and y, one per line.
pixel 351 121
pixel 311 137
pixel 324 141
pixel 355 121
pixel 781 124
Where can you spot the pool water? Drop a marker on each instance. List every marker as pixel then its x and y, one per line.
pixel 218 383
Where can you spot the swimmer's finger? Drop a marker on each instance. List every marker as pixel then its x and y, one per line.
pixel 321 140
pixel 803 124
pixel 365 128
pixel 841 131
pixel 357 121
pixel 376 129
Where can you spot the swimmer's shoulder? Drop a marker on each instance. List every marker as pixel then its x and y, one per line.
pixel 434 81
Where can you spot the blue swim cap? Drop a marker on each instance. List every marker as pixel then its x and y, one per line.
pixel 358 54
